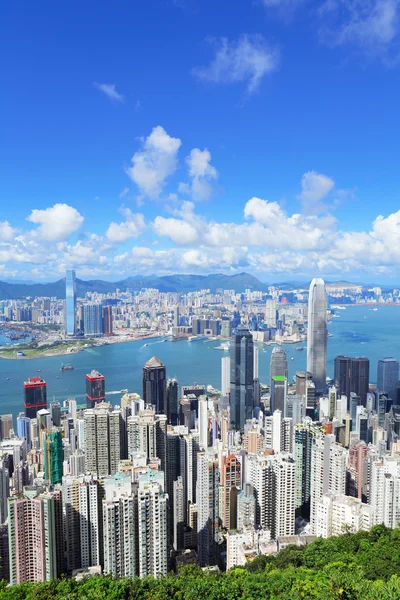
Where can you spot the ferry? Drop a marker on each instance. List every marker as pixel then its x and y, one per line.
pixel 144 345
pixel 123 391
pixel 66 367
pixel 299 348
pixel 195 338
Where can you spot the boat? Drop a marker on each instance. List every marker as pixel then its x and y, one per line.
pixel 66 367
pixel 39 370
pixel 144 345
pixel 123 391
pixel 374 309
pixel 299 348
pixel 292 357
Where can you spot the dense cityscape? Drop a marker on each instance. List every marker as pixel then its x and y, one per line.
pixel 176 474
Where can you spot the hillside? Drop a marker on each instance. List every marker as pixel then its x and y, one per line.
pixel 167 283
pixel 364 566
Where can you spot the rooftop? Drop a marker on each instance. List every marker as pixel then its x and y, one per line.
pixel 154 362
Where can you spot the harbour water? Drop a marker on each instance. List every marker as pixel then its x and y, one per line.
pixel 359 331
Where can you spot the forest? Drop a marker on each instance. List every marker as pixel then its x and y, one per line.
pixel 361 566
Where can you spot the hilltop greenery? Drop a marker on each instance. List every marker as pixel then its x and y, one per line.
pixel 364 566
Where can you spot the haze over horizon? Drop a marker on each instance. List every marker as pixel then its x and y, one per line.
pixel 152 139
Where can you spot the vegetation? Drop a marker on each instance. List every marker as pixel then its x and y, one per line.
pixel 364 566
pixel 34 350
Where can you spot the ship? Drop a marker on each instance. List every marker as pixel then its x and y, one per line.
pixel 299 348
pixel 66 367
pixel 194 338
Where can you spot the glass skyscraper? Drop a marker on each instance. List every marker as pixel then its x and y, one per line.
pixel 93 320
pixel 242 378
pixel 388 376
pixel 70 303
pixel 278 380
pixel 317 334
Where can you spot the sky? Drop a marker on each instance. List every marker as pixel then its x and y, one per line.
pixel 200 136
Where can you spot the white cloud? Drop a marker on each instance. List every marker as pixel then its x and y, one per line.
pixel 179 231
pixel 109 90
pixel 314 188
pixel 202 174
pixel 155 162
pixel 248 59
pixel 56 223
pixel 132 227
pixel 372 25
pixel 7 232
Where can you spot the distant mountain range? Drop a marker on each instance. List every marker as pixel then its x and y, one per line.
pixel 168 283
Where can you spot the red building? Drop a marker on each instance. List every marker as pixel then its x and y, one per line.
pixel 35 396
pixel 95 389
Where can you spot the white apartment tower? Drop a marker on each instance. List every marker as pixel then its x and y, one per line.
pixel 152 530
pixel 102 439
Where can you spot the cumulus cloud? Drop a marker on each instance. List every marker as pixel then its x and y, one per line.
pixel 315 187
pixel 56 223
pixel 6 231
pixel 248 59
pixel 109 90
pixel 155 162
pixel 132 227
pixel 202 175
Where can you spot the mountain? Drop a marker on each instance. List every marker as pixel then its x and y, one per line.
pixel 167 283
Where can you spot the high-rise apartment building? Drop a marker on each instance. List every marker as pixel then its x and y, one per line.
pixel 208 507
pixel 103 439
pixel 230 486
pixel 32 537
pixel 152 529
pixel 304 438
pixel 35 396
pixel 384 493
pixel 246 508
pixel 95 389
pixel 388 377
pixel 270 313
pixel 53 456
pixel 70 303
pixel 336 513
pixel 92 320
pixel 317 334
pixel 147 434
pixel 242 378
pixel 225 374
pixel 154 385
pixel 4 489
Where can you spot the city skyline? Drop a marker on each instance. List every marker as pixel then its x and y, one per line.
pixel 214 154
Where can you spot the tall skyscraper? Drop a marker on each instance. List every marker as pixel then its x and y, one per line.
pixel 107 320
pixel 53 457
pixel 388 376
pixel 242 377
pixel 352 375
pixel 92 320
pixel 147 434
pixel 95 389
pixel 172 402
pixel 278 380
pixel 35 396
pixel 103 439
pixel 304 439
pixel 154 384
pixel 230 486
pixel 317 334
pixel 152 529
pixel 4 489
pixel 70 304
pixel 225 374
pixel 270 312
pixel 208 507
pixel 342 376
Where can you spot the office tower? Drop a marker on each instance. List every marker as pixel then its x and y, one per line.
pixel 278 399
pixel 4 489
pixel 70 304
pixel 92 320
pixel 81 499
pixel 95 389
pixel 328 472
pixel 55 412
pixel 295 408
pixel 230 485
pixel 107 318
pixel 175 320
pixel 4 553
pixel 6 425
pixel 172 402
pixel 120 534
pixel 225 374
pixel 317 334
pixel 24 429
pixel 359 377
pixel 32 537
pixel 53 457
pixel 152 529
pixel 179 515
pixel 242 376
pixel 304 439
pixel 203 422
pixel 103 439
pixel 35 396
pixel 226 328
pixel 208 507
pixel 352 375
pixel 154 385
pixel 302 377
pixel 246 508
pixel 270 313
pixel 336 512
pixel 388 376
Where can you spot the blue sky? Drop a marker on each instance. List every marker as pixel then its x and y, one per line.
pixel 161 136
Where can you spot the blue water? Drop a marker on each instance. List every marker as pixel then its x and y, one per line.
pixel 359 331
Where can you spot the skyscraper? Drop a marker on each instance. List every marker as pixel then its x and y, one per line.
pixel 92 320
pixel 388 376
pixel 35 396
pixel 317 334
pixel 70 304
pixel 242 377
pixel 152 528
pixel 278 380
pixel 107 320
pixel 225 374
pixel 270 312
pixel 154 384
pixel 95 389
pixel 53 457
pixel 342 376
pixel 352 375
pixel 208 507
pixel 102 439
